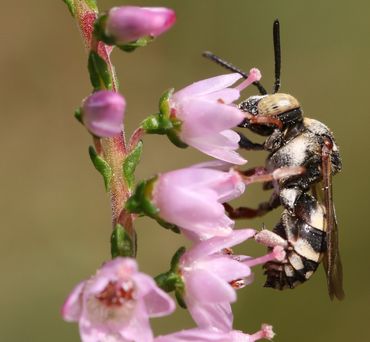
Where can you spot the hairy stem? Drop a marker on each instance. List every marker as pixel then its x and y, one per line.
pixel 113 150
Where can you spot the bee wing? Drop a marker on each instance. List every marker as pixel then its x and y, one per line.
pixel 332 262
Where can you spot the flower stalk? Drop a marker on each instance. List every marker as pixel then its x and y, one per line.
pixel 113 149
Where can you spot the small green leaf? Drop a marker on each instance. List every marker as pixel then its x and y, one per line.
pixel 92 5
pixel 164 103
pixel 102 166
pixel 140 201
pixel 157 124
pixel 130 163
pixel 71 6
pixel 99 29
pixel 78 115
pixel 167 281
pixel 100 76
pixel 174 138
pixel 179 294
pixel 121 243
pixel 176 259
pixel 141 42
pixel 167 225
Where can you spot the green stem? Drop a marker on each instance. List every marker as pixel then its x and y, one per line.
pixel 113 150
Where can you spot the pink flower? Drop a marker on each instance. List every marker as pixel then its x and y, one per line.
pixel 116 303
pixel 192 199
pixel 103 113
pixel 208 275
pixel 128 23
pixel 206 111
pixel 208 335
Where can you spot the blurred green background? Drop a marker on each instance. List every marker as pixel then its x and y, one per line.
pixel 55 215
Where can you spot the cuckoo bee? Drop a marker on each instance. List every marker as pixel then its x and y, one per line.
pixel 307 229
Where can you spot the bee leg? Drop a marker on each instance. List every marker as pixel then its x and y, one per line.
pixel 245 212
pixel 246 144
pixel 270 239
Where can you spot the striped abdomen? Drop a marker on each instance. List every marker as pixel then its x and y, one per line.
pixel 304 231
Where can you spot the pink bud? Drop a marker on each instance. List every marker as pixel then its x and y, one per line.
pixel 129 23
pixel 103 113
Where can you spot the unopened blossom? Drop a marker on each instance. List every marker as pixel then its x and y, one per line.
pixel 103 113
pixel 192 198
pixel 210 335
pixel 116 303
pixel 208 274
pixel 129 23
pixel 207 114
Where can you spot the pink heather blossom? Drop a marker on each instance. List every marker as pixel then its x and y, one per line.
pixel 208 335
pixel 192 199
pixel 208 274
pixel 129 23
pixel 116 303
pixel 103 113
pixel 206 111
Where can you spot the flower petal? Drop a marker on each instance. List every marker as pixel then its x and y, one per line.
pixel 218 243
pixel 72 307
pixel 206 86
pixel 201 117
pixel 139 329
pixel 219 146
pixel 226 268
pixel 227 96
pixel 157 302
pixel 197 211
pixel 198 335
pixel 205 287
pixel 212 316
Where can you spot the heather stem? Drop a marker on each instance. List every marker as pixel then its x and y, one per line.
pixel 113 150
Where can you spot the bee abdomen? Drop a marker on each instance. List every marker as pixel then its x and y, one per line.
pixel 307 245
pixel 288 274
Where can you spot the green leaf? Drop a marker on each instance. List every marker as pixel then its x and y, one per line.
pixel 157 124
pixel 78 115
pixel 140 201
pixel 141 42
pixel 100 76
pixel 174 138
pixel 179 294
pixel 176 259
pixel 92 4
pixel 102 166
pixel 99 29
pixel 121 243
pixel 167 281
pixel 164 103
pixel 168 225
pixel 130 163
pixel 71 6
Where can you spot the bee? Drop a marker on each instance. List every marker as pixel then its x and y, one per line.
pixel 308 228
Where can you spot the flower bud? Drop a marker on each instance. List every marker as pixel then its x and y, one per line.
pixel 129 23
pixel 103 113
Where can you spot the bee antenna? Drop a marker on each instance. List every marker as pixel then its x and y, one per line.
pixel 231 67
pixel 277 54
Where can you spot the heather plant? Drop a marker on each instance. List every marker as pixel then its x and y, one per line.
pixel 116 303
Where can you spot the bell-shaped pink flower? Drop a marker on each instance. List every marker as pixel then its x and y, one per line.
pixel 210 335
pixel 192 199
pixel 103 113
pixel 208 274
pixel 207 115
pixel 129 23
pixel 116 303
